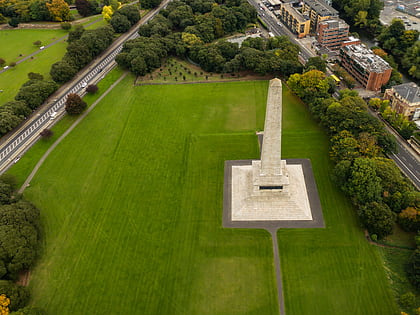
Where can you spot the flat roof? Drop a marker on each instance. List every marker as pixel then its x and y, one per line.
pixel 321 7
pixel 366 58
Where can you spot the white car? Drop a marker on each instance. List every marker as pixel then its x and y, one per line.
pixel 42 47
pixel 16 160
pixel 84 84
pixel 53 115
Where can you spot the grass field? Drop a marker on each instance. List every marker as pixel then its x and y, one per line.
pixel 132 202
pixel 20 42
pixel 12 79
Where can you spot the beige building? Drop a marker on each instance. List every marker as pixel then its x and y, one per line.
pixel 405 99
pixel 294 20
pixel 317 11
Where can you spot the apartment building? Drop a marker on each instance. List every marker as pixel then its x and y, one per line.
pixel 294 20
pixel 367 68
pixel 405 99
pixel 332 33
pixel 318 10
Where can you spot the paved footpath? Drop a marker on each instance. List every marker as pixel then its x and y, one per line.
pixel 44 157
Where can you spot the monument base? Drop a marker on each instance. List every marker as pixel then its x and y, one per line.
pixel 299 207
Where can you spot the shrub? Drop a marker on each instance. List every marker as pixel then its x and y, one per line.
pixel 14 22
pixel 2 62
pixel 65 26
pixel 37 43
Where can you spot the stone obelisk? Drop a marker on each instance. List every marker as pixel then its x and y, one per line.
pixel 270 172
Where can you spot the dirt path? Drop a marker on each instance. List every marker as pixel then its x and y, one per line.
pixel 57 142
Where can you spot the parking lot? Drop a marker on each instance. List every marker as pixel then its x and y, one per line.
pixel 410 14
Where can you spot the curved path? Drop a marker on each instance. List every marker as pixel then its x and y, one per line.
pixel 44 157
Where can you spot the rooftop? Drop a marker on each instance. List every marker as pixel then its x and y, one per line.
pixel 366 58
pixel 335 23
pixel 409 91
pixel 321 7
pixel 295 13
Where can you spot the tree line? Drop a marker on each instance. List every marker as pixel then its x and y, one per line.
pixel 20 234
pixel 194 30
pixel 358 145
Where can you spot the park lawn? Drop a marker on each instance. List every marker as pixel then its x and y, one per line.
pixel 134 214
pixel 20 41
pixel 28 161
pixel 132 221
pixel 12 79
pixel 332 270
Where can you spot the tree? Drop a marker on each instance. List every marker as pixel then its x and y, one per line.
pixel 132 14
pixel 59 10
pixel 107 13
pixel 37 43
pixel 414 268
pixel 364 186
pixel 409 219
pixel 2 62
pixel 377 218
pixel 4 304
pixel 18 295
pixel 35 76
pixel 74 104
pixel 38 10
pixel 83 7
pixel 35 92
pixel 62 71
pixel 120 23
pixel 92 88
pixel 344 147
pixel 316 63
pixel 46 133
pixel 76 33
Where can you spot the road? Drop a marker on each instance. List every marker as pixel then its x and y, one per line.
pixel 406 158
pixel 277 28
pixel 14 145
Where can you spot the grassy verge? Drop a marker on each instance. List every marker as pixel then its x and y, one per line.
pixel 12 79
pixel 395 262
pixel 19 43
pixel 23 168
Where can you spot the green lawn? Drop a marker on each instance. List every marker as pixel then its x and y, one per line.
pixel 12 79
pixel 146 237
pixel 20 42
pixel 131 203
